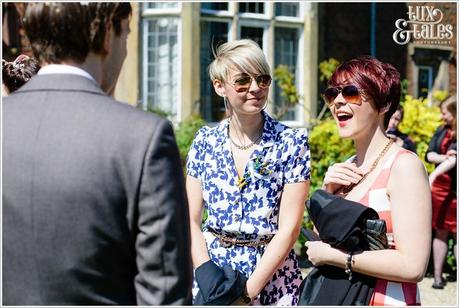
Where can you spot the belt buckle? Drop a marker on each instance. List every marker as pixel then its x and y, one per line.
pixel 225 243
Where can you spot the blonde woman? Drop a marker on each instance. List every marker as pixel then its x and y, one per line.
pixel 252 174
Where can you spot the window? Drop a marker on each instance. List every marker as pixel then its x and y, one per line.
pixel 160 5
pixel 424 80
pixel 291 9
pixel 286 53
pixel 212 34
pixel 252 7
pixel 253 33
pixel 214 6
pixel 161 73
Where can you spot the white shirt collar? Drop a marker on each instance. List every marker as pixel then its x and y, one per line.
pixel 64 69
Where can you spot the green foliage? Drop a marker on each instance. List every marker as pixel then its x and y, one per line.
pixel 286 82
pixel 186 131
pixel 327 148
pixel 420 122
pixel 327 68
pixel 439 96
pixel 160 112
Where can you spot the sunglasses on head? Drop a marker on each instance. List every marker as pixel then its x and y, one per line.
pixel 242 84
pixel 350 93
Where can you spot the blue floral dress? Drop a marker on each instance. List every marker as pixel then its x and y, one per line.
pixel 250 210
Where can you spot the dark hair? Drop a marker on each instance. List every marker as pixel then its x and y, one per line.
pixel 15 74
pixel 451 105
pixel 100 14
pixel 58 31
pixel 379 80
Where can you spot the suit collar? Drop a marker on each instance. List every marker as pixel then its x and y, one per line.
pixel 61 82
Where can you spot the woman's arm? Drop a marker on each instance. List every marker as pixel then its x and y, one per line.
pixel 445 166
pixel 290 217
pixel 199 252
pixel 410 199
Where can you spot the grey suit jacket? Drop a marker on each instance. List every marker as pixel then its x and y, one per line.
pixel 94 205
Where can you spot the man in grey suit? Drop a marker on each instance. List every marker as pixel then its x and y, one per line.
pixel 94 206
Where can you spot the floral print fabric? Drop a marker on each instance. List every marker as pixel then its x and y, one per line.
pixel 248 208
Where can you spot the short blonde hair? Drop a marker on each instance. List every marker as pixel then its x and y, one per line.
pixel 244 55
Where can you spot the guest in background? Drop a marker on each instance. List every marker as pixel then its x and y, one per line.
pixel 442 152
pixel 15 74
pixel 400 138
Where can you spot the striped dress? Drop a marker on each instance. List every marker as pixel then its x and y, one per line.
pixel 389 293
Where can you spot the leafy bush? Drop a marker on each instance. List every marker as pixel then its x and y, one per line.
pixel 185 133
pixel 420 122
pixel 327 148
pixel 286 82
pixel 327 68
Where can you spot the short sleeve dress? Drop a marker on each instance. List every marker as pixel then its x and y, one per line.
pixel 249 209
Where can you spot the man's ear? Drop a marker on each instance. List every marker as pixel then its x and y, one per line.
pixel 219 88
pixel 107 49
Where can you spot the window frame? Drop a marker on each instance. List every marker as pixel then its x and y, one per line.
pixel 299 108
pixel 148 15
pixel 297 19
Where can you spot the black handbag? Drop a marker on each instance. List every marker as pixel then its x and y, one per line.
pixel 375 233
pixel 349 226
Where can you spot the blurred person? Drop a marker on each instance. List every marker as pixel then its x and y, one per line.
pixel 442 152
pixel 251 173
pixel 118 29
pixel 15 74
pixel 363 94
pixel 94 204
pixel 400 138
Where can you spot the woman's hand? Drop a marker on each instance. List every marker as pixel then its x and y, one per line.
pixel 341 174
pixel 319 253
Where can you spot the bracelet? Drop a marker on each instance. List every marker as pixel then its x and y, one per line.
pixel 348 269
pixel 245 296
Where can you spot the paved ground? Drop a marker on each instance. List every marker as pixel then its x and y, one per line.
pixel 429 296
pixel 433 297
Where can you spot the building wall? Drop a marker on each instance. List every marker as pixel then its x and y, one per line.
pixel 130 83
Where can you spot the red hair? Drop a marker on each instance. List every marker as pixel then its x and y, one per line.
pixel 379 81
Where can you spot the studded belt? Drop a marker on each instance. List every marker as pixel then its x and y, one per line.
pixel 228 241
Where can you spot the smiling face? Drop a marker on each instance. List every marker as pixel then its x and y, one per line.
pixel 355 117
pixel 447 116
pixel 250 101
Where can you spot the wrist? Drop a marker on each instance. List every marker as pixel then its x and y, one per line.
pixel 249 290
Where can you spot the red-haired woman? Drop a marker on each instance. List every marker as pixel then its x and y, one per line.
pixel 363 93
pixel 442 152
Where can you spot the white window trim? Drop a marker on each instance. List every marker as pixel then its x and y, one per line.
pixel 178 114
pixel 256 24
pixel 230 31
pixel 298 19
pixel 162 11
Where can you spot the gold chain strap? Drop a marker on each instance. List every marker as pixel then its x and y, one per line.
pixel 348 188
